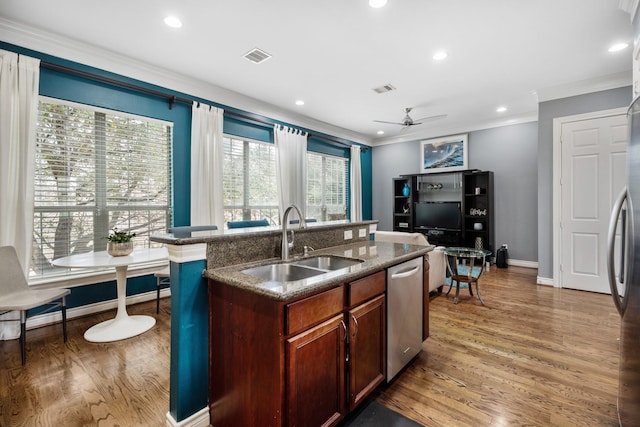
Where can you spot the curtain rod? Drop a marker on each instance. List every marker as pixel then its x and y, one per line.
pixel 329 139
pixel 171 98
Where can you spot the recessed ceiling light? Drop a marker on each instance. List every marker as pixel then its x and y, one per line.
pixel 380 132
pixel 173 22
pixel 299 102
pixel 501 109
pixel 618 47
pixel 377 3
pixel 439 56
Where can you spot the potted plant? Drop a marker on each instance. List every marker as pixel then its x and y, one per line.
pixel 120 243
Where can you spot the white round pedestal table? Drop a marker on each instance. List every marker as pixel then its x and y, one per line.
pixel 123 325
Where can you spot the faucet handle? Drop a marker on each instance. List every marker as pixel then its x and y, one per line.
pixel 306 249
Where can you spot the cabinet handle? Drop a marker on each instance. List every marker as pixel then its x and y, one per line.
pixel 344 326
pixel 405 273
pixel 355 321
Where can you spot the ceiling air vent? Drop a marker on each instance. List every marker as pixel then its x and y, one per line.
pixel 257 56
pixel 385 88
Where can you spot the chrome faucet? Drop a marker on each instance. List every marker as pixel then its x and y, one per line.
pixel 286 245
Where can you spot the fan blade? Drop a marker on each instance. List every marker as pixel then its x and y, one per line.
pixel 389 123
pixel 422 120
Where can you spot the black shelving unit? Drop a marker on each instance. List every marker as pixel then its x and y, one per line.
pixel 403 204
pixel 475 194
pixel 478 210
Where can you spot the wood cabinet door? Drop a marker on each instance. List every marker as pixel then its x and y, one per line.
pixel 367 349
pixel 425 296
pixel 315 373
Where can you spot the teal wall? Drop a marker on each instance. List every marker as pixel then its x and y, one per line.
pixel 61 85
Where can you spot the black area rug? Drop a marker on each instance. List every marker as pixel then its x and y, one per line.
pixel 371 414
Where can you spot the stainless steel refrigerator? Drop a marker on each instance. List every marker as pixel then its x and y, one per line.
pixel 624 276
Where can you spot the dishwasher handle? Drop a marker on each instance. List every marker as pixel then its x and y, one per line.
pixel 404 274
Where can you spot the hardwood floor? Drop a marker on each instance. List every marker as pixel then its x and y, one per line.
pixel 123 383
pixel 534 355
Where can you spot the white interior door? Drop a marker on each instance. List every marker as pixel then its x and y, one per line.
pixel 594 170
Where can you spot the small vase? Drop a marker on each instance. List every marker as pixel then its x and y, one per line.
pixel 119 249
pixel 479 244
pixel 406 190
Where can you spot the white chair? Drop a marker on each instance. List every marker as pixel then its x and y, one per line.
pixel 437 259
pixel 15 295
pixel 163 276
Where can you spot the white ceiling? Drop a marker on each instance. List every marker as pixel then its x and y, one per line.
pixel 332 53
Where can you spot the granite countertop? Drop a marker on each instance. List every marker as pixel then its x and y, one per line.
pixel 376 256
pixel 190 238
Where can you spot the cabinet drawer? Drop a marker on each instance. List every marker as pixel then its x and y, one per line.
pixel 304 313
pixel 367 287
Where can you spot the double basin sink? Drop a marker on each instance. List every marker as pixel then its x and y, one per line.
pixel 301 269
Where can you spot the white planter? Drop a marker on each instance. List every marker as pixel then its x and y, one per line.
pixel 119 249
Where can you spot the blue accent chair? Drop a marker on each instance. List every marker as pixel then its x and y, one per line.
pixel 307 220
pixel 248 223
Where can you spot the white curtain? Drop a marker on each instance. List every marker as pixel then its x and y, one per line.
pixel 356 184
pixel 19 83
pixel 291 166
pixel 207 198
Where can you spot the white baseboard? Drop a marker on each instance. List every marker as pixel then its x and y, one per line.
pixel 544 281
pixel 40 320
pixel 199 419
pixel 521 263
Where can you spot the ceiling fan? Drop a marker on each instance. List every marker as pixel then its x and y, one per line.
pixel 408 121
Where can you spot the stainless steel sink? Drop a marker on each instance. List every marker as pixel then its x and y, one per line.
pixel 329 263
pixel 282 272
pixel 301 269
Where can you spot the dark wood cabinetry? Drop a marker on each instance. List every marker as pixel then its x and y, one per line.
pixel 315 372
pixel 367 336
pixel 303 362
pixel 425 299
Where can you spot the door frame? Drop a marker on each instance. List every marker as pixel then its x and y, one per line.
pixel 557 188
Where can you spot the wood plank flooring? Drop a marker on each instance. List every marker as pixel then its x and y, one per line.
pixel 534 356
pixel 123 383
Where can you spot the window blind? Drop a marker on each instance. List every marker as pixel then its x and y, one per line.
pixel 250 190
pixel 96 170
pixel 327 183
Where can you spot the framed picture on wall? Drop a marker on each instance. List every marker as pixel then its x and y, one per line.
pixel 445 154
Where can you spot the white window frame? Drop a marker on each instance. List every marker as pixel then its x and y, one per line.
pixel 84 276
pixel 249 210
pixel 326 208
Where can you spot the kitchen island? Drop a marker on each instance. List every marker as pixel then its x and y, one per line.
pixel 218 256
pixel 308 351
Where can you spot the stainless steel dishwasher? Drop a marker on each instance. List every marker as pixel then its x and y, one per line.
pixel 404 314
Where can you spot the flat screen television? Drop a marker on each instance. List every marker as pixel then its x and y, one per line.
pixel 441 215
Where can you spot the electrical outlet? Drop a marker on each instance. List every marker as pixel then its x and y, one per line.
pixel 362 232
pixel 348 234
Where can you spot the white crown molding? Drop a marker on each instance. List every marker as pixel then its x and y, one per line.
pixel 83 53
pixel 460 127
pixel 611 81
